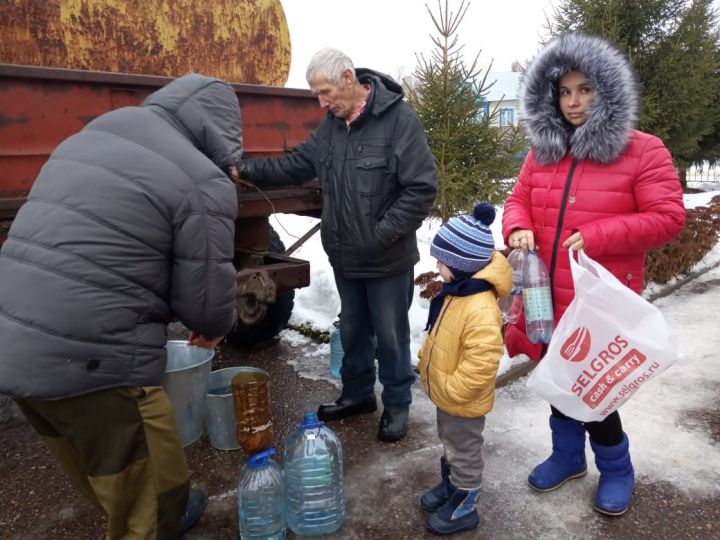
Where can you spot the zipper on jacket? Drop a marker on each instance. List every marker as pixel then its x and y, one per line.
pixel 437 327
pixel 340 192
pixel 561 218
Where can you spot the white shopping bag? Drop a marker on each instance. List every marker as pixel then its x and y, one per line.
pixel 608 343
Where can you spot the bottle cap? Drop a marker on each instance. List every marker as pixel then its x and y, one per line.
pixel 260 459
pixel 310 421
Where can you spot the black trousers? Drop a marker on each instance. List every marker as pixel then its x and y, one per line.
pixel 609 432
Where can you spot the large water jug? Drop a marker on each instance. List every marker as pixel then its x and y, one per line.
pixel 314 479
pixel 261 498
pixel 537 297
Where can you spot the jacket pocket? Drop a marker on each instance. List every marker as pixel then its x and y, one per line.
pixel 371 172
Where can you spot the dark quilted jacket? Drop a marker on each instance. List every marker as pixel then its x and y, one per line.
pixel 378 181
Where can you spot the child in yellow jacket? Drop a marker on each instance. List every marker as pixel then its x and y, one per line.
pixel 459 361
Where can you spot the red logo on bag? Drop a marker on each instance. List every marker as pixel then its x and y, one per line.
pixel 577 346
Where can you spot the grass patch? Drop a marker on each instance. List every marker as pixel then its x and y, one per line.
pixel 320 336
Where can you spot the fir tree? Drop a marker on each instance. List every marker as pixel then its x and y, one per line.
pixel 474 158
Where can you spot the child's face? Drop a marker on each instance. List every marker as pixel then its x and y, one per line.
pixel 445 273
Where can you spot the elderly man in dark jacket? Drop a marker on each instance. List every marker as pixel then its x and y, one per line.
pixel 129 224
pixel 379 181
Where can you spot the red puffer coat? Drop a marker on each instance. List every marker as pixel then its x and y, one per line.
pixel 622 209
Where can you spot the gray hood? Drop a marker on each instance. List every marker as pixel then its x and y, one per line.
pixel 203 109
pixel 615 105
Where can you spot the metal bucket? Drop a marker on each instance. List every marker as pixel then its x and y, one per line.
pixel 220 412
pixel 186 383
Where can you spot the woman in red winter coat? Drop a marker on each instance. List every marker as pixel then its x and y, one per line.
pixel 591 181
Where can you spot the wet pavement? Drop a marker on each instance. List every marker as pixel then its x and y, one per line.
pixel 383 481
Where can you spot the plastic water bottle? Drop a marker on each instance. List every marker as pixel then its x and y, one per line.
pixel 512 306
pixel 314 479
pixel 537 299
pixel 336 351
pixel 253 410
pixel 261 498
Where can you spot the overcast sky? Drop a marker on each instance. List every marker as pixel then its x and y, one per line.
pixel 385 35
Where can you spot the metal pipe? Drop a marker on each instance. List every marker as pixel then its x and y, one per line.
pixel 302 239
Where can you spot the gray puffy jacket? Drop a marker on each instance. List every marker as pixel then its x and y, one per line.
pixel 129 224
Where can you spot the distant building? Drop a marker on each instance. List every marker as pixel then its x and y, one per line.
pixel 505 95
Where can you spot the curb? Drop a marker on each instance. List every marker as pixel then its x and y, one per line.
pixel 515 373
pixel 675 286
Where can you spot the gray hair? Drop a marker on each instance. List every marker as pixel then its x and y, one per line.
pixel 329 63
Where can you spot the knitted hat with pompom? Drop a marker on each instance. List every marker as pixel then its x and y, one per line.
pixel 465 243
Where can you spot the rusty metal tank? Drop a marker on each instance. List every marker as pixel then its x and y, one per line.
pixel 244 41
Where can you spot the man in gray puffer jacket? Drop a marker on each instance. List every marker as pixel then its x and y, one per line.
pixel 378 182
pixel 129 225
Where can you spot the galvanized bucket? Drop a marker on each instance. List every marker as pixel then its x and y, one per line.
pixel 186 383
pixel 220 412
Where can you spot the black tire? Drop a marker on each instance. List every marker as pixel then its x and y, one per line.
pixel 278 313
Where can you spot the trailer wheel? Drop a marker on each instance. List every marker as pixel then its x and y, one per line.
pixel 277 316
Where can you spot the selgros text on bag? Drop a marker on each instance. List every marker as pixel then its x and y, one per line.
pixel 609 342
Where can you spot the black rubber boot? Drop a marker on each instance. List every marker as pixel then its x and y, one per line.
pixel 194 509
pixel 393 424
pixel 457 514
pixel 434 498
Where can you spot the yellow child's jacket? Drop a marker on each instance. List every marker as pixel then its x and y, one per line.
pixel 461 354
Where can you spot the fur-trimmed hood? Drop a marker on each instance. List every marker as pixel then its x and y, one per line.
pixel 614 110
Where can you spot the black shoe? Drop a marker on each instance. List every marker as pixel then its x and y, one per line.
pixel 194 509
pixel 393 424
pixel 344 407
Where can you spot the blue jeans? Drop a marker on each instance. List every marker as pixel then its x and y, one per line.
pixel 370 308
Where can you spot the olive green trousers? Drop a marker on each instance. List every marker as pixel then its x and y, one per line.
pixel 121 449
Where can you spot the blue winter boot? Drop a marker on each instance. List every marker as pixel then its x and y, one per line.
pixel 457 514
pixel 567 460
pixel 617 477
pixel 433 499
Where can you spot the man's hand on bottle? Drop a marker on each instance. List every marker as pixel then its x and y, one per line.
pixel 522 239
pixel 196 340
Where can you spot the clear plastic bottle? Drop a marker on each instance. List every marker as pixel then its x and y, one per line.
pixel 537 299
pixel 261 498
pixel 512 305
pixel 253 410
pixel 336 351
pixel 314 498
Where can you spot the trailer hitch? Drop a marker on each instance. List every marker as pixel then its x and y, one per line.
pixel 255 292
